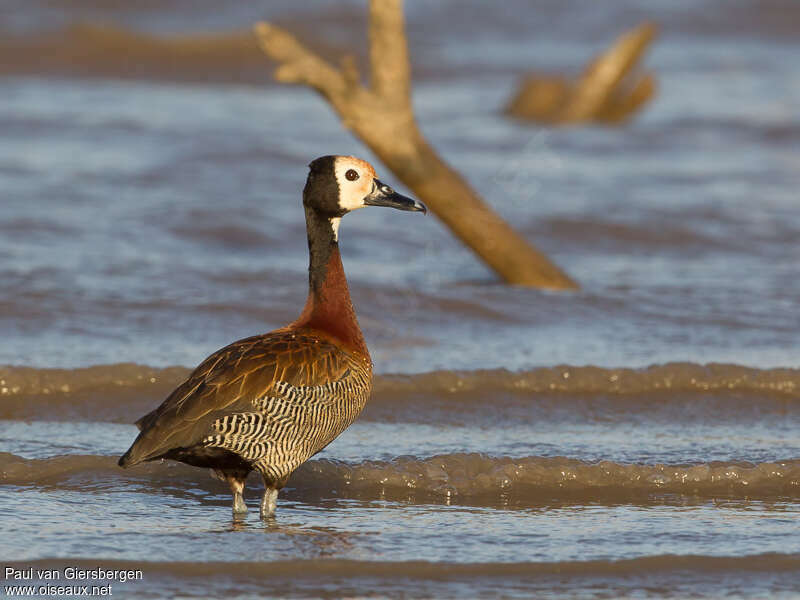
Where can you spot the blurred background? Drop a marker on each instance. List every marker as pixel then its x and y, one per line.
pixel 151 186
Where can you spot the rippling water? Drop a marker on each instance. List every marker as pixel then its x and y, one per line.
pixel 637 437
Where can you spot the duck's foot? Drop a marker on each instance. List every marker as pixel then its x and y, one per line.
pixel 269 503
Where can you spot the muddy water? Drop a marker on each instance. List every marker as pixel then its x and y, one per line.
pixel 639 436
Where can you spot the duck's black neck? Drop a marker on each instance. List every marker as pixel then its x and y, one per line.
pixel 322 244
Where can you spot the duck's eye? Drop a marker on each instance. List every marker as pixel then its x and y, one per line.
pixel 351 174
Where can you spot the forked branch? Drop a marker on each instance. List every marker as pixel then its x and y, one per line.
pixel 382 116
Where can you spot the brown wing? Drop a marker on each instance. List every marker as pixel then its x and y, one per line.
pixel 228 381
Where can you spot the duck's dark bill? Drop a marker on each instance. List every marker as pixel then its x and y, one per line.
pixel 383 195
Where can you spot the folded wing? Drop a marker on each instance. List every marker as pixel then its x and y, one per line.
pixel 258 390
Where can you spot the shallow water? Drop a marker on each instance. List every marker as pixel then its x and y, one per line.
pixel 637 438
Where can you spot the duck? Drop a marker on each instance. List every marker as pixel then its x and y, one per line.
pixel 269 402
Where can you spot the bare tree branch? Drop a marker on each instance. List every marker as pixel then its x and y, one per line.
pixel 297 63
pixel 388 51
pixel 600 81
pixel 382 117
pixel 610 90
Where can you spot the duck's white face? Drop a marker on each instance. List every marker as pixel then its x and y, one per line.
pixel 359 186
pixel 356 180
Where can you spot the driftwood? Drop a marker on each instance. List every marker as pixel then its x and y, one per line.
pixel 610 90
pixel 382 116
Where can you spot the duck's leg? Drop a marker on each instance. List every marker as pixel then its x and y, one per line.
pixel 269 502
pixel 236 482
pixel 237 488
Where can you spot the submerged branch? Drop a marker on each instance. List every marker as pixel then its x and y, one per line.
pixel 610 90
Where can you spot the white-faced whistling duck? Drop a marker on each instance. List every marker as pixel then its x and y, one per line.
pixel 270 402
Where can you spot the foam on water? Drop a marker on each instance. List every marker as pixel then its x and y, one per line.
pixel 70 386
pixel 451 478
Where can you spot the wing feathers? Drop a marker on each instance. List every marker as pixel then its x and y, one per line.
pixel 229 381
